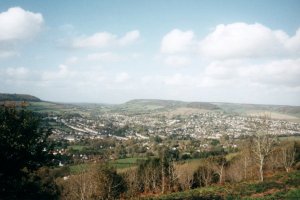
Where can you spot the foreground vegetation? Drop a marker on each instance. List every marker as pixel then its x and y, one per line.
pixel 261 166
pixel 279 186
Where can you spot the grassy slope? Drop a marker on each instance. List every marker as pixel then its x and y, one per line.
pixel 280 186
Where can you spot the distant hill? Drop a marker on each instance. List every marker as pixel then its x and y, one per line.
pixel 140 106
pixel 18 97
pixel 163 105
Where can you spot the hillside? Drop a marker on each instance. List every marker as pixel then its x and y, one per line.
pixel 18 97
pixel 280 186
pixel 141 105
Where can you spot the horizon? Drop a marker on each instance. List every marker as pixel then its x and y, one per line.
pixel 115 51
pixel 107 103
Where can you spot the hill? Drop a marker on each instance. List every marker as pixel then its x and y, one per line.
pixel 140 105
pixel 171 107
pixel 18 97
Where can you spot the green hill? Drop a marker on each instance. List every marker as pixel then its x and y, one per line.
pixel 18 97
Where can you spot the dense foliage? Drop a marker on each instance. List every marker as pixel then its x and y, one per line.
pixel 23 149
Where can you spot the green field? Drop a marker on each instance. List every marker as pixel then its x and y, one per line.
pixel 119 164
pixel 125 163
pixel 77 147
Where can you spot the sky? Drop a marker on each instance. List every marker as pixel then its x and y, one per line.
pixel 112 51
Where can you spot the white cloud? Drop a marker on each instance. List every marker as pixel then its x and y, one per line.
pixel 234 41
pixel 129 38
pixel 99 40
pixel 293 43
pixel 275 74
pixel 177 61
pixel 105 57
pixel 241 40
pixel 105 39
pixel 19 24
pixel 177 41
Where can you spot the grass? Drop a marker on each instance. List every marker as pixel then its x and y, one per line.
pixel 125 163
pixel 119 164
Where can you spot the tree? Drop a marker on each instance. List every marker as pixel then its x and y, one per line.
pixel 287 155
pixel 168 177
pixel 203 175
pixel 23 149
pixel 185 174
pixel 262 143
pixel 218 163
pixel 96 182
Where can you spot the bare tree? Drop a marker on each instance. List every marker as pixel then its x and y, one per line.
pixel 80 186
pixel 96 182
pixel 262 143
pixel 185 173
pixel 203 175
pixel 218 163
pixel 287 154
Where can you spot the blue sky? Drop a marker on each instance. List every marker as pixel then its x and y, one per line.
pixel 114 51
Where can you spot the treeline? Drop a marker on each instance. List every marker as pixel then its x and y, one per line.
pixel 164 174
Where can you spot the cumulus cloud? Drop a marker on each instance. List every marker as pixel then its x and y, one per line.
pixel 19 24
pixel 233 41
pixel 100 40
pixel 129 38
pixel 177 41
pixel 105 39
pixel 276 73
pixel 241 40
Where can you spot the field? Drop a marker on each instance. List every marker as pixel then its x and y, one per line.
pixel 119 164
pixel 77 147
